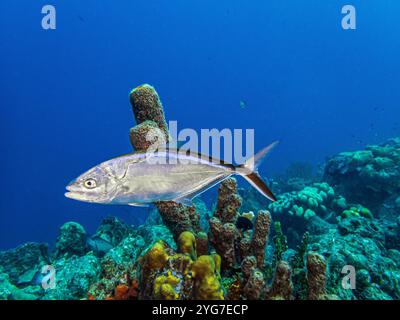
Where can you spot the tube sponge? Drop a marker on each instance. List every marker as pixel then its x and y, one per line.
pixel 146 105
pixel 206 276
pixel 187 244
pixel 260 236
pixel 316 276
pixel 156 257
pixel 165 287
pixel 282 286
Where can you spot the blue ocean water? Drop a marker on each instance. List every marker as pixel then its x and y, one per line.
pixel 64 93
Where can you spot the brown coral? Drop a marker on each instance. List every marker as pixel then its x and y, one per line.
pixel 282 286
pixel 260 236
pixel 146 105
pixel 202 243
pixel 229 201
pixel 255 285
pixel 223 239
pixel 178 217
pixel 316 276
pixel 223 233
pixel 146 136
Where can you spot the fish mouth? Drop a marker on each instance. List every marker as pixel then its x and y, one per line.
pixel 75 196
pixel 74 193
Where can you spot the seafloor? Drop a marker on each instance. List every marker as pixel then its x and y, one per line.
pixel 333 234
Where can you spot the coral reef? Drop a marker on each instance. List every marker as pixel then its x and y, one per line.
pixel 73 277
pixel 368 177
pixel 234 244
pixel 239 250
pixel 316 276
pixel 71 241
pixel 282 286
pixel 318 200
pixel 168 275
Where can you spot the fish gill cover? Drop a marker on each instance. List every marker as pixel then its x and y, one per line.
pixel 333 232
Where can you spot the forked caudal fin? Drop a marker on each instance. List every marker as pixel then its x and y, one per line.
pixel 248 170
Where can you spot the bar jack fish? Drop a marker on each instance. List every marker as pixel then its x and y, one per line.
pixel 142 178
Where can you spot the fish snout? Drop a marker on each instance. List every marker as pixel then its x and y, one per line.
pixel 75 192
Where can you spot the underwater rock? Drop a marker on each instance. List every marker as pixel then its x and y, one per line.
pixel 113 230
pixel 25 259
pixel 341 249
pixel 74 276
pixel 109 234
pixel 9 291
pixel 370 176
pixel 118 267
pixel 153 233
pixel 71 241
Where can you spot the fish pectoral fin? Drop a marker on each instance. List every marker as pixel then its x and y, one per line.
pixel 185 201
pixel 136 204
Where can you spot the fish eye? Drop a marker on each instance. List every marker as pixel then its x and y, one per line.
pixel 90 183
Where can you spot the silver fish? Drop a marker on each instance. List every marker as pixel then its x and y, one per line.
pixel 141 178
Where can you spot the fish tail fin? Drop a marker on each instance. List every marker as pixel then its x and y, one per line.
pixel 248 170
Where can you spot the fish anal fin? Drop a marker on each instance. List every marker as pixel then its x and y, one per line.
pixel 137 204
pixel 185 201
